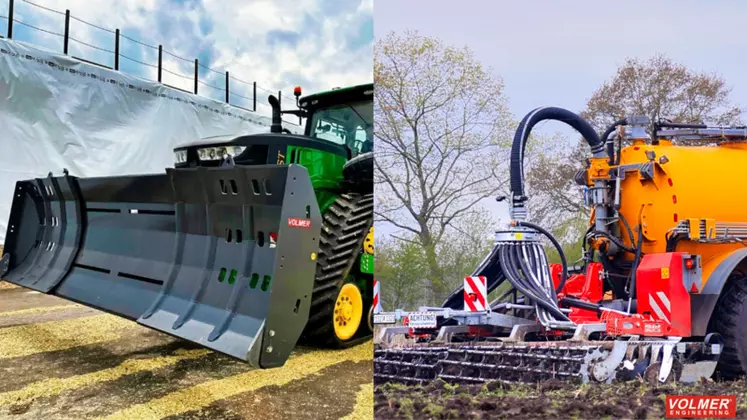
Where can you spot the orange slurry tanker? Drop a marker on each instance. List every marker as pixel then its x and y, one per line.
pixel 661 293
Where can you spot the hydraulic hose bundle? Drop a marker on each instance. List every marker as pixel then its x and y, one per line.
pixel 525 265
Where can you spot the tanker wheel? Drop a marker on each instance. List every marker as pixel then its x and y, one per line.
pixel 345 226
pixel 730 320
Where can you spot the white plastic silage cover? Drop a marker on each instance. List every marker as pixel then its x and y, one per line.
pixel 57 112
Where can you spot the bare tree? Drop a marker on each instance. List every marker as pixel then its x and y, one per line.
pixel 440 121
pixel 662 88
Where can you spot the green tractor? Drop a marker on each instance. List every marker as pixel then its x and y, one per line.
pixel 247 246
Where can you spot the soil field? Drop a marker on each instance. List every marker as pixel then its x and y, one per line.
pixel 60 360
pixel 548 400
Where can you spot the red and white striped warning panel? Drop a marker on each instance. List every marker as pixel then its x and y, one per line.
pixel 475 293
pixel 660 304
pixel 376 298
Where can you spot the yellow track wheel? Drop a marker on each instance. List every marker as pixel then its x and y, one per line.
pixel 348 311
pixel 368 245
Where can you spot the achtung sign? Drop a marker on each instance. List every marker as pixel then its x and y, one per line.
pixel 422 320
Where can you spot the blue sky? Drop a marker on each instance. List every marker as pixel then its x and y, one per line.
pixel 552 53
pixel 318 44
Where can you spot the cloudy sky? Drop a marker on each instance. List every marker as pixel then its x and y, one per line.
pixel 318 44
pixel 557 53
pixel 552 53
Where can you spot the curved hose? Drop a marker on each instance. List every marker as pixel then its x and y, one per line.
pixel 556 244
pixel 614 240
pixel 627 227
pixel 525 128
pixel 611 146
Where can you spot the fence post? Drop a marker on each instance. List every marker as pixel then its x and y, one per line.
pixel 116 49
pixel 197 74
pixel 227 94
pixel 67 31
pixel 254 107
pixel 10 20
pixel 160 59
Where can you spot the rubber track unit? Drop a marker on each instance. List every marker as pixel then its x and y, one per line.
pixel 345 225
pixel 728 320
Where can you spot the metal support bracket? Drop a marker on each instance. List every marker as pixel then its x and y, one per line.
pixel 584 331
pixel 445 333
pixel 385 334
pixel 519 332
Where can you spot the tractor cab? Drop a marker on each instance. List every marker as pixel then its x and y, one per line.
pixel 338 122
pixel 336 147
pixel 341 116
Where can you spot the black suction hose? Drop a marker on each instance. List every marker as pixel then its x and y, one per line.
pixel 525 128
pixel 556 244
pixel 511 260
pixel 611 146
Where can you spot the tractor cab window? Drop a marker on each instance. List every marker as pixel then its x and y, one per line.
pixel 348 124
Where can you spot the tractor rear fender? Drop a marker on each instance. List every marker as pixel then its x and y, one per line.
pixel 703 304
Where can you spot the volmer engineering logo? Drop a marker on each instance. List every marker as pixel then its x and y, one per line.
pixel 701 406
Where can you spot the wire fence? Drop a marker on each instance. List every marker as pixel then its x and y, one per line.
pixel 227 86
